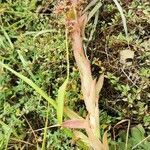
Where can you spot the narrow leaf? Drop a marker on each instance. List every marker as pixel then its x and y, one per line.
pixel 26 65
pixel 7 131
pixel 45 130
pixel 122 16
pixel 7 37
pixel 71 114
pixel 60 101
pixel 92 3
pixel 94 10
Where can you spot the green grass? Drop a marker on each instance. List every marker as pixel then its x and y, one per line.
pixel 33 47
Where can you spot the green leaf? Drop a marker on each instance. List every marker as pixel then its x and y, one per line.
pixel 138 133
pixel 26 65
pixel 7 133
pixel 60 101
pixel 7 37
pixel 43 32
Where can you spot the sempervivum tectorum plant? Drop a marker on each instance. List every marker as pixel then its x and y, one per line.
pixel 75 23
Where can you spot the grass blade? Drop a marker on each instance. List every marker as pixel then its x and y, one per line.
pixel 2 42
pixel 122 16
pixel 45 130
pixel 71 114
pixel 26 65
pixel 92 3
pixel 60 101
pixel 7 131
pixel 32 84
pixel 94 10
pixel 7 37
pixel 147 138
pixel 43 32
pixel 92 31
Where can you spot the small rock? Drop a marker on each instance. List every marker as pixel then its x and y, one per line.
pixel 126 57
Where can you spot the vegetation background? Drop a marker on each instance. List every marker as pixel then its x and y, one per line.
pixel 32 42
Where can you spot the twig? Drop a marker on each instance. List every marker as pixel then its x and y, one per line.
pixel 31 129
pixel 44 128
pixel 127 135
pixel 14 139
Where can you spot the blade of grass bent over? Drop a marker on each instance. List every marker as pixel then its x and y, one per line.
pixel 71 114
pixel 32 84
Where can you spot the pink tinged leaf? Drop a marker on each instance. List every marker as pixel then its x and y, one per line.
pixel 75 123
